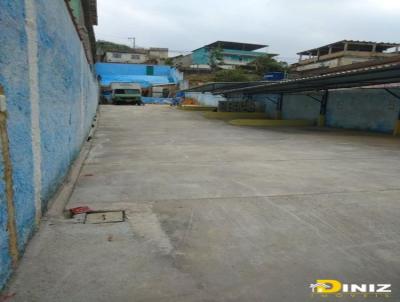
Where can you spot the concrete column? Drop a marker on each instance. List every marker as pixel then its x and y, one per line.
pixel 330 50
pixel 346 46
pixel 396 130
pixel 374 48
pixel 322 112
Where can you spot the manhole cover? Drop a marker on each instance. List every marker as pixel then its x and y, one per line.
pixel 105 217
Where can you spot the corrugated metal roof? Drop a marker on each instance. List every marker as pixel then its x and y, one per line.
pixel 381 74
pixel 234 45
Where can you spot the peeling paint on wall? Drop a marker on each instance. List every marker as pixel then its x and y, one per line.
pixel 9 190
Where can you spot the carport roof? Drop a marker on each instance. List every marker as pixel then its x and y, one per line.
pixel 360 77
pixel 215 86
pixel 382 74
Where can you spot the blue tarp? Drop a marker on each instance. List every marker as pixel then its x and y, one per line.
pixel 135 73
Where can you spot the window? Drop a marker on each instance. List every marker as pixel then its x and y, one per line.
pixel 116 55
pixel 127 91
pixel 132 91
pixel 135 57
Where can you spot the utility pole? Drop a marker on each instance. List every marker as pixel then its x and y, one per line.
pixel 133 41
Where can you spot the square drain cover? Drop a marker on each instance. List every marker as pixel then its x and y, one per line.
pixel 105 217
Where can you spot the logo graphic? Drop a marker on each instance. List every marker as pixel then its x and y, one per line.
pixel 325 287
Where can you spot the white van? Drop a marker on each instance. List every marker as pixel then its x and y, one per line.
pixel 126 93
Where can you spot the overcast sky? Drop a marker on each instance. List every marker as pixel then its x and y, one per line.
pixel 287 26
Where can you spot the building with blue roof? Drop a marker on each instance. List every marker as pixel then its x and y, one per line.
pixel 234 54
pixel 145 75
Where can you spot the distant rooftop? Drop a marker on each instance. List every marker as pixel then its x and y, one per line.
pixel 235 45
pixel 132 50
pixel 138 50
pixel 353 45
pixel 90 10
pixel 158 48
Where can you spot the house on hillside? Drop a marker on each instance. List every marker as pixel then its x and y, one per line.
pixel 135 56
pixel 342 53
pixel 233 54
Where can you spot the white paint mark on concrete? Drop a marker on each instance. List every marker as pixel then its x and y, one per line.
pixel 31 31
pixel 146 224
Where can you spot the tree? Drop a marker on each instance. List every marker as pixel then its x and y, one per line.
pixel 216 57
pixel 267 63
pixel 169 62
pixel 111 46
pixel 231 75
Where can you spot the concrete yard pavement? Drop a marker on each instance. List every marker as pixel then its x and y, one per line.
pixel 216 212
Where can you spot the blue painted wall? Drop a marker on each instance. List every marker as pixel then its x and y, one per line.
pixel 136 73
pixel 14 79
pixel 65 78
pixel 5 259
pixel 60 54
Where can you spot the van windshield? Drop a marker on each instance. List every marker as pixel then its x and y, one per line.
pixel 127 91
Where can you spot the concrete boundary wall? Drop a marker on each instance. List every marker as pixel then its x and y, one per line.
pixel 363 109
pixel 372 109
pixel 309 108
pixel 49 98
